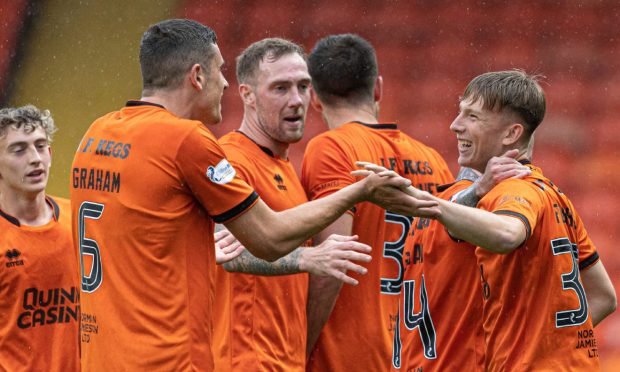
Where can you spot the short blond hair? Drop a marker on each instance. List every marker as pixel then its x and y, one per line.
pixel 27 117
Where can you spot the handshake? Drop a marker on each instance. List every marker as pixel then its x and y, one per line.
pixel 394 193
pixel 335 256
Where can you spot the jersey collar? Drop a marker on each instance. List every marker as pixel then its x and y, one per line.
pixel 51 202
pixel 377 126
pixel 134 103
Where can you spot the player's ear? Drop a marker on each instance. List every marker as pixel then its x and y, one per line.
pixel 247 94
pixel 315 101
pixel 196 76
pixel 378 88
pixel 514 133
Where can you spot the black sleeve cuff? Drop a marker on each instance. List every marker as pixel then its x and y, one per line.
pixel 235 211
pixel 528 228
pixel 589 261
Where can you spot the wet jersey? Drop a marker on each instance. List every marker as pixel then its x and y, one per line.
pixel 440 310
pixel 261 320
pixel 367 311
pixel 147 188
pixel 39 294
pixel 535 310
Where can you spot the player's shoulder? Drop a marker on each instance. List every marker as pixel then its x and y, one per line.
pixel 449 190
pixel 233 139
pixel 152 119
pixel 238 147
pixel 524 190
pixel 349 135
pixel 419 146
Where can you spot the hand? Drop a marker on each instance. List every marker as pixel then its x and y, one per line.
pixel 498 169
pixel 377 177
pixel 227 247
pixel 404 200
pixel 333 258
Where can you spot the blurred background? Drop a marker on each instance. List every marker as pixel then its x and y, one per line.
pixel 80 60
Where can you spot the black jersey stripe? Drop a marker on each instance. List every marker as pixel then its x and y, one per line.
pixel 238 209
pixel 528 228
pixel 589 261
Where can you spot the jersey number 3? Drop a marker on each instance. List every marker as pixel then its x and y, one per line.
pixel 571 281
pixel 89 247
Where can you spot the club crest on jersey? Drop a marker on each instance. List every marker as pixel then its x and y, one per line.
pixel 222 173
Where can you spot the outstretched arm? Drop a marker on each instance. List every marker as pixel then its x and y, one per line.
pixel 599 291
pixel 331 258
pixel 496 233
pixel 270 235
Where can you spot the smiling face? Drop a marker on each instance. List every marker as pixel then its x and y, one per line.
pixel 282 92
pixel 25 160
pixel 480 133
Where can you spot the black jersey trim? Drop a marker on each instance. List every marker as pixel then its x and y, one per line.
pixel 235 211
pixel 54 206
pixel 378 126
pixel 442 188
pixel 134 103
pixel 528 228
pixel 10 218
pixel 589 261
pixel 48 199
pixel 266 150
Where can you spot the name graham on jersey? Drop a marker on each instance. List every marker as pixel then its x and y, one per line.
pixel 96 179
pixel 49 306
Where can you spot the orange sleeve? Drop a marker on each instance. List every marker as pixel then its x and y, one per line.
pixel 212 179
pixel 240 162
pixel 588 254
pixel 326 168
pixel 515 198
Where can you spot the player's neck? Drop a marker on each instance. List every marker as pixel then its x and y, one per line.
pixel 174 101
pixel 337 116
pixel 29 209
pixel 251 128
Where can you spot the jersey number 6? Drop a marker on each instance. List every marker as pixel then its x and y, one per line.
pixel 89 247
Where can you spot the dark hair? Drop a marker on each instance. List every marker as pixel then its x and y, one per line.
pixel 29 117
pixel 514 91
pixel 169 48
pixel 271 48
pixel 343 67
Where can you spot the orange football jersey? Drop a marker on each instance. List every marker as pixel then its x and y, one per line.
pixel 261 320
pixel 367 311
pixel 39 294
pixel 440 311
pixel 147 187
pixel 535 309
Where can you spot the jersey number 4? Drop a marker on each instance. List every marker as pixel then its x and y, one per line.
pixel 89 247
pixel 412 320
